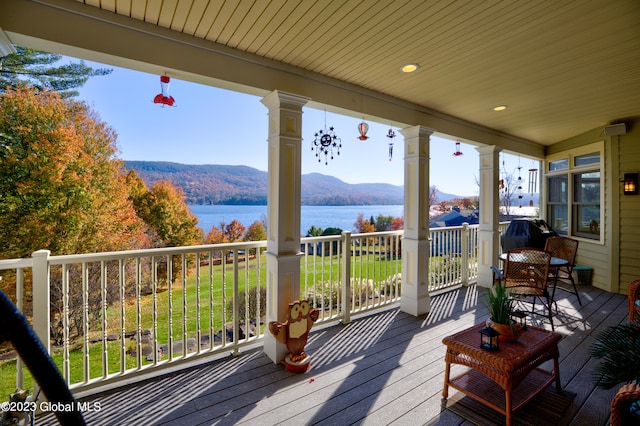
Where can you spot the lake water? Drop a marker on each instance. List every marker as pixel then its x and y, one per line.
pixel 323 217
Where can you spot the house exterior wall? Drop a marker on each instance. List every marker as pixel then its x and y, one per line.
pixel 616 258
pixel 629 207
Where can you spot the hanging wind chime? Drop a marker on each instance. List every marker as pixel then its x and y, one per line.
pixel 363 128
pixel 533 183
pixel 457 153
pixel 519 184
pixel 164 98
pixel 391 135
pixel 325 142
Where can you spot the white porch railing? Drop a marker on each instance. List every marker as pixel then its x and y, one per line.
pixel 114 315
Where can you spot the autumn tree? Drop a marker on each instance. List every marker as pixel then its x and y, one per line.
pixel 165 211
pixel 397 224
pixel 61 187
pixel 43 70
pixel 60 180
pixel 233 231
pixel 362 225
pixel 255 232
pixel 215 236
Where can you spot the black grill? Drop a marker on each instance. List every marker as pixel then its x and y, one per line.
pixel 526 233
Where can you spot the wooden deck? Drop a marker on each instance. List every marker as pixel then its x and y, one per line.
pixel 381 369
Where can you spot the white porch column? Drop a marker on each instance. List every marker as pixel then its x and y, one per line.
pixel 488 232
pixel 415 243
pixel 283 210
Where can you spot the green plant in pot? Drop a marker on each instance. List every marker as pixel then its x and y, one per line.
pixel 618 349
pixel 500 310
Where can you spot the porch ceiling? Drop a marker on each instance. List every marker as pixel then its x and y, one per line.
pixel 561 67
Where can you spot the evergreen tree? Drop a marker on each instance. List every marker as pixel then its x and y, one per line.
pixel 39 69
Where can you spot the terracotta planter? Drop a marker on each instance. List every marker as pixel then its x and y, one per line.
pixel 508 332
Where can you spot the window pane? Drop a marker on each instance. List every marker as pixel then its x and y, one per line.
pixel 558 189
pixel 558 218
pixel 593 158
pixel 559 165
pixel 587 221
pixel 586 187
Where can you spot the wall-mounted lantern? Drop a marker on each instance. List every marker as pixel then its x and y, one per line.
pixel 630 184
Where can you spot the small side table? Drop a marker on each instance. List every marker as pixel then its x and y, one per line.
pixel 505 380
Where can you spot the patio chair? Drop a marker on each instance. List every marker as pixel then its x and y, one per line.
pixel 563 248
pixel 15 328
pixel 627 397
pixel 526 275
pixel 634 300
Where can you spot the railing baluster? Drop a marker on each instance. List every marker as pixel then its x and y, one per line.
pixel 139 313
pixel 103 306
pixel 198 313
pixel 122 283
pixel 85 320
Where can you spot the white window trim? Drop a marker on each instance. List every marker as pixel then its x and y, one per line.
pixel 570 155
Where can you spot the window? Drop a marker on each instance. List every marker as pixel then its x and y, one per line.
pixel 574 182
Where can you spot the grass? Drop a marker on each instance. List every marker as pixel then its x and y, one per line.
pixel 215 290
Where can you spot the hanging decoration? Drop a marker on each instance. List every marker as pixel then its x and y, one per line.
pixel 363 128
pixel 519 188
pixel 391 135
pixel 533 183
pixel 458 153
pixel 325 142
pixel 164 98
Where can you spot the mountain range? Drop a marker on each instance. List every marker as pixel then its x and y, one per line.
pixel 226 184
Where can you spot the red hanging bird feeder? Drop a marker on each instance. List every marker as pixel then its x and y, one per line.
pixel 164 98
pixel 363 128
pixel 458 153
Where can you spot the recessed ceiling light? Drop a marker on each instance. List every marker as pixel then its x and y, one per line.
pixel 500 108
pixel 409 68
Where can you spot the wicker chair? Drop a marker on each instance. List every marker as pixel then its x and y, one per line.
pixel 634 300
pixel 526 275
pixel 629 393
pixel 563 248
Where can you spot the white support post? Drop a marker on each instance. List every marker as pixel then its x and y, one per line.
pixel 283 210
pixel 488 231
pixel 415 243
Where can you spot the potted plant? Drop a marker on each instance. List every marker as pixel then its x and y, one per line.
pixel 618 349
pixel 500 310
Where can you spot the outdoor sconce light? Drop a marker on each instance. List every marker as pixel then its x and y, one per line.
pixel 630 184
pixel 489 339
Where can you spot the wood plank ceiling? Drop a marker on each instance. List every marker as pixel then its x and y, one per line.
pixel 562 67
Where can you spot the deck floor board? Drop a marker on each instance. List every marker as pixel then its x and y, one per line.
pixel 386 368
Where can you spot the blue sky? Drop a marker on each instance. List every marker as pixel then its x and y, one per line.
pixel 208 125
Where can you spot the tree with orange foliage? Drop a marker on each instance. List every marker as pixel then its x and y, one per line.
pixel 62 190
pixel 255 232
pixel 215 236
pixel 362 225
pixel 60 180
pixel 233 231
pixel 165 211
